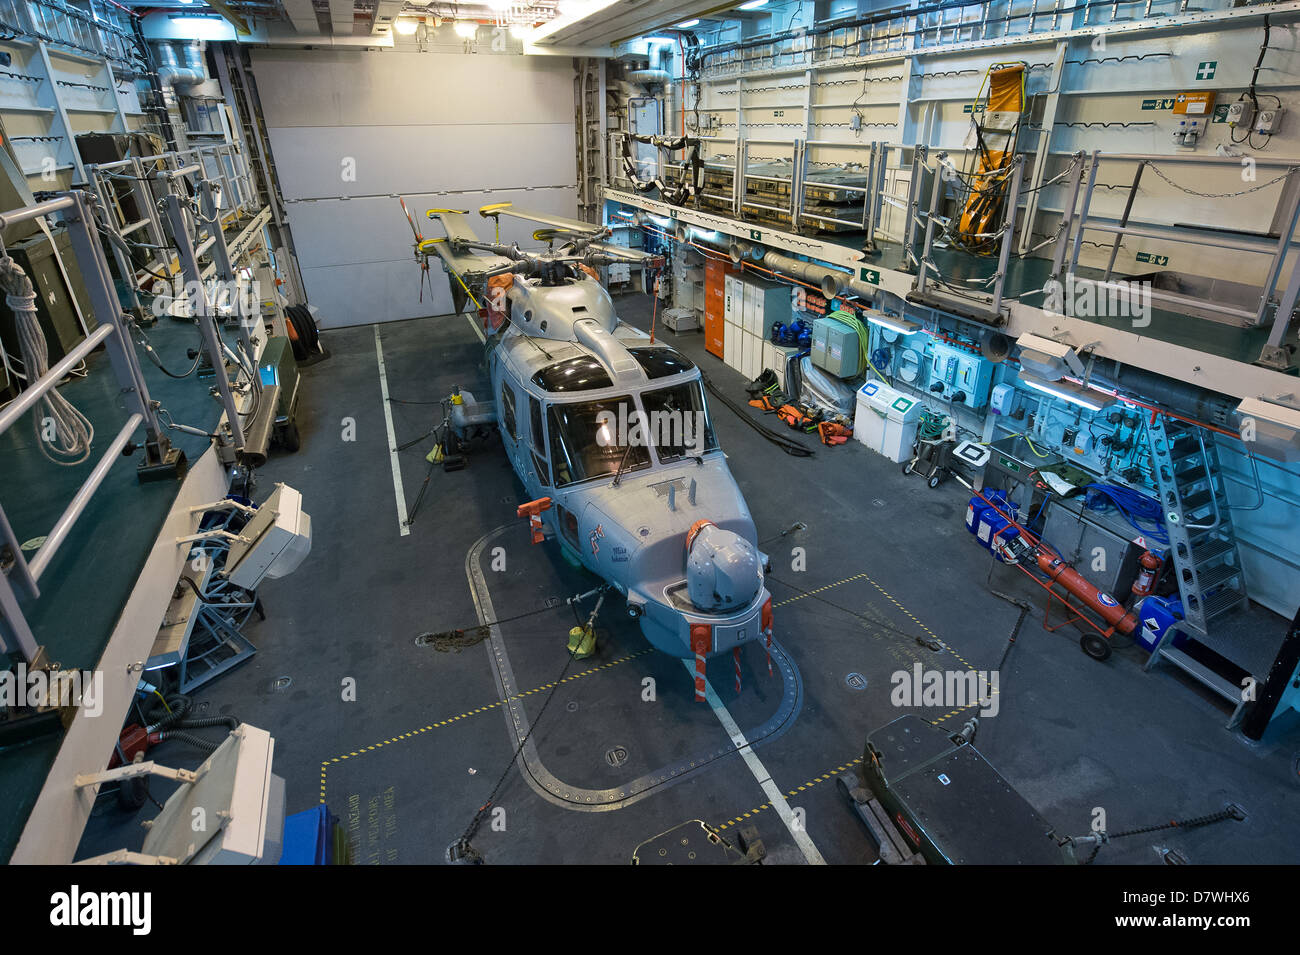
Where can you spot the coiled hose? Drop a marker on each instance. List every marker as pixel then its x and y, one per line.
pixel 932 426
pixel 168 719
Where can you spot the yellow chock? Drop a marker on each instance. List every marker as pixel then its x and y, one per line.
pixel 582 642
pixel 434 456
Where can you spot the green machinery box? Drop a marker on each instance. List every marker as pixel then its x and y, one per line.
pixel 54 295
pixel 835 348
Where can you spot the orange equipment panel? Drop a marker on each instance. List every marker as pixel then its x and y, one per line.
pixel 715 276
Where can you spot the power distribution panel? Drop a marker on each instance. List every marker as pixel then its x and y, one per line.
pixel 959 376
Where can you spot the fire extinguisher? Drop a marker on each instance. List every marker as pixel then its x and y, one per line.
pixel 1146 579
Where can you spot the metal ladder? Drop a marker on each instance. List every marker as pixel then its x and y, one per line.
pixel 1203 547
pixel 589 127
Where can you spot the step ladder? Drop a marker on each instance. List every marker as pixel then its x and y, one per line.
pixel 1203 547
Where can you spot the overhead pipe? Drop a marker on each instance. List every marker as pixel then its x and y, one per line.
pixel 831 280
pixel 172 73
pixel 1179 396
pixel 656 73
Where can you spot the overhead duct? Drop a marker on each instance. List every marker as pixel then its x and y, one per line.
pixel 829 279
pixel 1178 396
pixel 656 73
pixel 172 73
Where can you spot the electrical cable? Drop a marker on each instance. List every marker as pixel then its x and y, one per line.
pixel 153 355
pixel 788 445
pixel 63 434
pixel 1141 511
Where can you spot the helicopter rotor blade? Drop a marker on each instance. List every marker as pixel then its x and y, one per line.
pixel 409 218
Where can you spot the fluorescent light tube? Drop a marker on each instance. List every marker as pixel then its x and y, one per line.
pixel 1066 392
pixel 900 325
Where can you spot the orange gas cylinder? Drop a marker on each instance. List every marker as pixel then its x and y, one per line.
pixel 1106 606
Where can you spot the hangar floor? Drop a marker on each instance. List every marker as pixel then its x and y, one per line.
pixel 407 763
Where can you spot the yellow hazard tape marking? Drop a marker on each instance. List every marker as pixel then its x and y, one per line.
pixel 324 766
pixel 828 775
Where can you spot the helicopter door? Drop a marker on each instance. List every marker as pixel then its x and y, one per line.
pixel 537 436
pixel 510 423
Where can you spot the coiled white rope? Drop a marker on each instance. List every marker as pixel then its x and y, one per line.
pixel 63 433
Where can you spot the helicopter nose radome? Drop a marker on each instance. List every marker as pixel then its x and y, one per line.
pixel 722 568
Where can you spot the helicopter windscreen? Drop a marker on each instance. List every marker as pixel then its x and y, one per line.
pixel 679 424
pixel 586 443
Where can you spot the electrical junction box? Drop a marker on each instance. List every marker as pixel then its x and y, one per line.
pixel 886 420
pixel 1269 121
pixel 1240 113
pixel 965 377
pixel 835 348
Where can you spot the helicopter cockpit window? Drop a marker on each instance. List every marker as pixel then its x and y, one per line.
pixel 582 373
pixel 586 443
pixel 539 442
pixel 661 362
pixel 678 421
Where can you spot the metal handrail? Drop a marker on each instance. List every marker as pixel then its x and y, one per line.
pixel 33 392
pixel 1287 211
pixel 82 226
pixel 63 526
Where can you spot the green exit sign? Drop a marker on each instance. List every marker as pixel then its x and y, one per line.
pixel 1152 259
pixel 1166 103
pixel 755 235
pixel 870 276
pixel 973 108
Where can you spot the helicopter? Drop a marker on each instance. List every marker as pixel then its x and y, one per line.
pixel 609 432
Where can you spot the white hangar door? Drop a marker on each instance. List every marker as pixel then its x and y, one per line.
pixel 352 130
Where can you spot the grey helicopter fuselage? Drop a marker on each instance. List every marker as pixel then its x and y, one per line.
pixel 571 384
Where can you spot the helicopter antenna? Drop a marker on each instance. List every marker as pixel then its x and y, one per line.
pixel 535 344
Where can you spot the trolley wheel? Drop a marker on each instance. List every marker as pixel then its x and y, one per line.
pixel 935 479
pixel 908 465
pixel 1096 647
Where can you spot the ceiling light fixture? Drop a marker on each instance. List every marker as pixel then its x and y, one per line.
pixel 1066 391
pixel 1046 358
pixel 405 26
pixel 689 23
pixel 900 325
pixel 752 5
pixel 467 29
